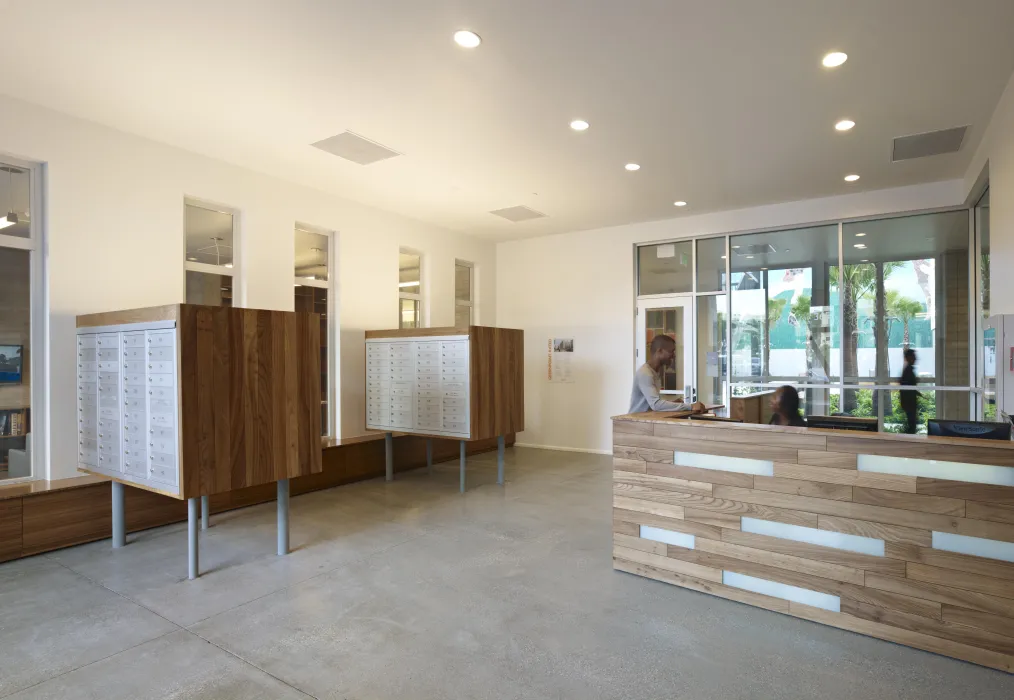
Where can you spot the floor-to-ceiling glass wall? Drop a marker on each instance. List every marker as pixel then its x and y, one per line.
pixel 832 309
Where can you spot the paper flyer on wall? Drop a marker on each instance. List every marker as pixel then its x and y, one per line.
pixel 561 357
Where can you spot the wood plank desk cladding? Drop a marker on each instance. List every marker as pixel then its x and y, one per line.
pixel 905 538
pixel 190 401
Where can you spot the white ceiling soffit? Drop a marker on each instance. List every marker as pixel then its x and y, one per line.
pixel 724 104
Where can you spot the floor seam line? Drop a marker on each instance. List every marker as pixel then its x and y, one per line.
pixel 252 665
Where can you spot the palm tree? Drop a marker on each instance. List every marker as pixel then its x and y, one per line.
pixel 902 308
pixel 775 309
pixel 858 283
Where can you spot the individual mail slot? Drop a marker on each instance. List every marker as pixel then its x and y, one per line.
pixel 133 354
pixel 109 447
pixel 428 400
pixel 109 462
pixel 162 434
pixel 454 352
pixel 111 378
pixel 90 457
pixel 133 367
pixel 402 375
pixel 433 425
pixel 454 386
pixel 450 401
pixel 135 429
pixel 87 388
pixel 108 340
pixel 134 379
pixel 399 417
pixel 108 400
pixel 86 341
pixel 110 412
pixel 384 383
pixel 136 417
pixel 428 374
pixel 135 466
pixel 160 353
pixel 400 389
pixel 87 355
pixel 454 377
pixel 164 420
pixel 84 443
pixel 455 412
pixel 163 367
pixel 133 340
pixel 406 361
pixel 401 349
pixel 161 406
pixel 160 380
pixel 134 404
pixel 428 386
pixel 107 355
pixel 451 394
pixel 162 339
pixel 162 446
pixel 163 393
pixel 87 377
pixel 453 360
pixel 422 362
pixel 379 362
pixel 378 354
pixel 135 444
pixel 401 403
pixel 163 473
pixel 457 427
pixel 133 392
pixel 162 458
pixel 379 419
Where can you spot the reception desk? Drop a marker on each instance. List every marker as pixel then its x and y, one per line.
pixel 902 537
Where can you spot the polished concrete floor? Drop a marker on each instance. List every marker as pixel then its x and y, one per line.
pixel 410 590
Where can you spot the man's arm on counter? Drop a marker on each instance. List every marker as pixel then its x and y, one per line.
pixel 647 387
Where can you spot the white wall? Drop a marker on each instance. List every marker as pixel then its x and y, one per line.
pixel 582 285
pixel 996 150
pixel 115 240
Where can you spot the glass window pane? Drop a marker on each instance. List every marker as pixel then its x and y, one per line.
pixel 15 362
pixel 14 201
pixel 711 265
pixel 982 224
pixel 668 321
pixel 783 303
pixel 712 359
pixel 409 274
pixel 314 300
pixel 409 315
pixel 209 289
pixel 989 373
pixel 311 255
pixel 209 236
pixel 462 316
pixel 906 284
pixel 463 282
pixel 665 268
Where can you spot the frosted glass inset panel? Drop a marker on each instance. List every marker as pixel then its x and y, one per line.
pixel 782 590
pixel 759 467
pixel 657 534
pixel 937 469
pixel 811 535
pixel 976 546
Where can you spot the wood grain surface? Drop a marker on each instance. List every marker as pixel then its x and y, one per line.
pixel 945 602
pixel 497 400
pixel 249 397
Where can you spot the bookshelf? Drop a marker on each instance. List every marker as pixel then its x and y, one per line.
pixel 14 428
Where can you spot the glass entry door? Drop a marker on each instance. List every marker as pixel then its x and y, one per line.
pixel 672 316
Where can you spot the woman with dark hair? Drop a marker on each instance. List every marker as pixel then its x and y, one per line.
pixel 785 407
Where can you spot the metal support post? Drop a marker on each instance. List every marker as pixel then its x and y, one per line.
pixel 429 455
pixel 462 466
pixel 192 557
pixel 499 459
pixel 389 456
pixel 205 511
pixel 283 517
pixel 119 516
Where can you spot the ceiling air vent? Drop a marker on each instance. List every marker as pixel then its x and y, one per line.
pixel 517 214
pixel 355 148
pixel 932 143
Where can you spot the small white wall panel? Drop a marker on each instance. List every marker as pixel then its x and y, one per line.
pixel 419 385
pixel 937 469
pixel 742 465
pixel 678 539
pixel 975 546
pixel 782 590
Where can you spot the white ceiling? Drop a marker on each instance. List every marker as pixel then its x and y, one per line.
pixel 723 103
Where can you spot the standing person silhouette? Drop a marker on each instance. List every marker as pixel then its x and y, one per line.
pixel 909 398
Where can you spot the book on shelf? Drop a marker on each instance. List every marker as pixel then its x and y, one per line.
pixel 12 422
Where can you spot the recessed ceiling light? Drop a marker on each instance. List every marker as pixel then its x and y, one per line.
pixel 865 260
pixel 579 125
pixel 466 39
pixel 844 125
pixel 834 59
pixel 749 257
pixel 723 257
pixel 851 178
pixel 860 235
pixel 680 203
pixel 735 247
pixel 763 268
pixel 861 246
pixel 192 259
pixel 632 166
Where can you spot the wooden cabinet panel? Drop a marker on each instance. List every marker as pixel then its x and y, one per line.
pixel 10 528
pixel 64 518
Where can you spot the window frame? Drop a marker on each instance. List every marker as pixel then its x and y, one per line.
pixel 228 270
pixel 333 407
pixel 470 304
pixel 975 385
pixel 35 245
pixel 417 297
